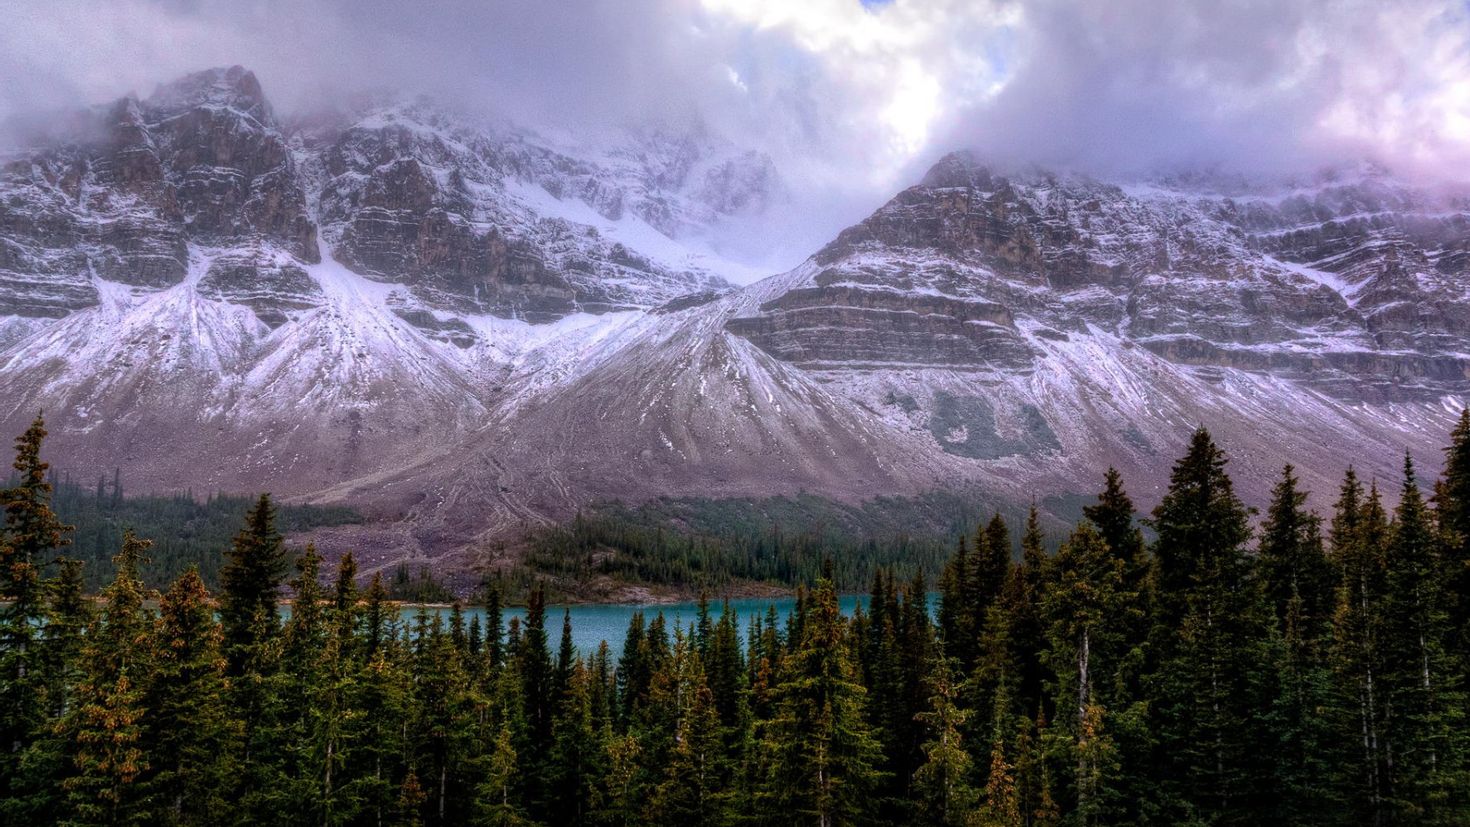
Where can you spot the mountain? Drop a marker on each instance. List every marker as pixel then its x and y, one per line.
pixel 467 328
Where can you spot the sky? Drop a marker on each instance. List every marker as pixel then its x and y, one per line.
pixel 852 99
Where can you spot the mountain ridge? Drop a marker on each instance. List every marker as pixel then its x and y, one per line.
pixel 468 334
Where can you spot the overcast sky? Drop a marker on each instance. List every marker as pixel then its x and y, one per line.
pixel 853 99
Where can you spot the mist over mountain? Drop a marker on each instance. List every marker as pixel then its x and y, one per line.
pixel 468 328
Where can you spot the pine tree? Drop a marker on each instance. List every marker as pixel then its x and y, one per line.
pixel 956 623
pixel 1452 506
pixel 254 568
pixel 32 533
pixel 33 796
pixel 1026 586
pixel 106 725
pixel 1212 684
pixel 1425 707
pixel 494 804
pixel 1001 805
pixel 575 768
pixel 566 659
pixel 1087 612
pixel 693 788
pixel 1293 566
pixel 944 795
pixel 1359 550
pixel 1299 585
pixel 821 754
pixel 188 731
pixel 1116 520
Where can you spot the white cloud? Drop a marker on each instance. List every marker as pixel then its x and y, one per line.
pixel 852 101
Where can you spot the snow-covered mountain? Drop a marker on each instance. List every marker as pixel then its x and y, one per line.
pixel 465 328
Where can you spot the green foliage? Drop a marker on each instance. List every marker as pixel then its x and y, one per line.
pixel 697 543
pixel 187 531
pixel 1200 679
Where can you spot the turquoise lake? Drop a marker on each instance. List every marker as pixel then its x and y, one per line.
pixel 593 623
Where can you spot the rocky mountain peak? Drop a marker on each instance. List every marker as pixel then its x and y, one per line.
pixel 233 87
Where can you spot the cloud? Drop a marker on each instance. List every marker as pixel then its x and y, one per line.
pixel 1139 85
pixel 852 99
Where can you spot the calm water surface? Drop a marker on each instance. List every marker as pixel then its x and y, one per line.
pixel 593 623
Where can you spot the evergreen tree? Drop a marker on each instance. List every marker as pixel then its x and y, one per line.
pixel 566 660
pixel 1425 707
pixel 1087 612
pixel 254 568
pixel 32 533
pixel 1212 684
pixel 494 804
pixel 533 662
pixel 821 754
pixel 956 622
pixel 106 725
pixel 188 731
pixel 696 785
pixel 1116 520
pixel 1359 550
pixel 1299 586
pixel 33 798
pixel 1452 505
pixel 576 767
pixel 1293 566
pixel 943 792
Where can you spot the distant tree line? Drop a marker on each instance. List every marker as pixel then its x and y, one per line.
pixel 186 531
pixel 630 548
pixel 1313 673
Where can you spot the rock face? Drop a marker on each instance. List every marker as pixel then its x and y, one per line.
pixel 412 196
pixel 1353 286
pixel 121 197
pixel 466 329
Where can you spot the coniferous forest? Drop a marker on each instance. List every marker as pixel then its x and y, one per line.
pixel 1301 670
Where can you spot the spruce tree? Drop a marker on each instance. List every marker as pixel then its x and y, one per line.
pixel 1293 566
pixel 695 788
pixel 1212 685
pixel 1359 550
pixel 31 535
pixel 494 802
pixel 1425 721
pixel 1299 585
pixel 1087 611
pixel 957 624
pixel 1116 520
pixel 821 754
pixel 188 731
pixel 1452 506
pixel 255 566
pixel 33 795
pixel 107 724
pixel 943 791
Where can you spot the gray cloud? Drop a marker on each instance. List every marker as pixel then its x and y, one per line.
pixel 851 101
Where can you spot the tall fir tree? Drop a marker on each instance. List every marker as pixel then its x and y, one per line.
pixel 32 533
pixel 1452 507
pixel 106 725
pixel 1088 617
pixel 1300 584
pixel 943 791
pixel 188 731
pixel 255 567
pixel 1359 541
pixel 1212 685
pixel 821 755
pixel 1293 566
pixel 1424 724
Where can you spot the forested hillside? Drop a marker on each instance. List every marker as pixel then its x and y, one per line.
pixel 185 530
pixel 1309 672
